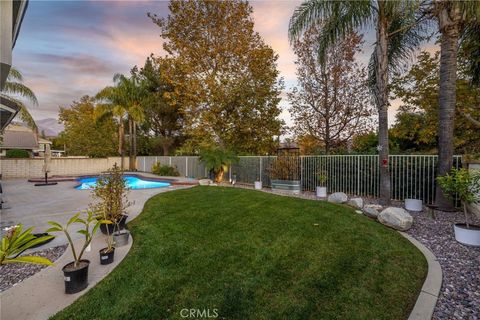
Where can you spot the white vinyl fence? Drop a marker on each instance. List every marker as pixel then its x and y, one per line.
pixel 412 176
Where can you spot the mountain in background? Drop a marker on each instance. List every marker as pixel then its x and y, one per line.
pixel 49 126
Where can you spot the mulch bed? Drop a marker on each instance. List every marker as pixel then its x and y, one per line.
pixel 11 274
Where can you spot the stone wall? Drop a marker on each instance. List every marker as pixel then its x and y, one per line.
pixel 32 168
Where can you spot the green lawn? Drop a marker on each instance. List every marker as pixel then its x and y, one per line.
pixel 253 255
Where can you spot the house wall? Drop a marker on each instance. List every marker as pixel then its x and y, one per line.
pixel 32 168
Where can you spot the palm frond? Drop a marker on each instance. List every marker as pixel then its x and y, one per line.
pixel 24 114
pixel 337 20
pixel 14 75
pixel 408 28
pixel 470 44
pixel 20 89
pixel 402 45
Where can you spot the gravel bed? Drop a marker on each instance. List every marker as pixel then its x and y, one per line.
pixel 460 292
pixel 11 274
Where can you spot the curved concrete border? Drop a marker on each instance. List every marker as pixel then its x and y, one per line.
pixel 42 295
pixel 427 299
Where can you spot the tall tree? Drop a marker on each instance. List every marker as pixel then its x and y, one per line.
pixel 163 121
pixel 83 135
pixel 124 101
pixel 15 87
pixel 453 17
pixel 332 103
pixel 225 77
pixel 416 126
pixel 398 32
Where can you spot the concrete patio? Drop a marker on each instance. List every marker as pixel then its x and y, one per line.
pixel 35 206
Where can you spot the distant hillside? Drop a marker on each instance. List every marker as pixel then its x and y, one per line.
pixel 50 126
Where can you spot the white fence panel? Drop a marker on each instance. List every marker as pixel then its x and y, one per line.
pixel 412 176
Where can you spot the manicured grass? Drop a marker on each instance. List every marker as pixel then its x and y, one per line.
pixel 253 255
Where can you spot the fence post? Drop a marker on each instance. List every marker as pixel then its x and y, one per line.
pixel 358 175
pixel 301 173
pixel 144 160
pixel 260 171
pixel 186 167
pixel 170 161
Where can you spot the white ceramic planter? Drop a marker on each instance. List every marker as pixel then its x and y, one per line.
pixel 413 205
pixel 321 192
pixel 466 236
pixel 258 185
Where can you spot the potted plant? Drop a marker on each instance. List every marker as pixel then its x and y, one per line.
pixel 466 186
pixel 217 160
pixel 15 241
pixel 107 253
pixel 285 174
pixel 110 196
pixel 258 183
pixel 321 188
pixel 76 272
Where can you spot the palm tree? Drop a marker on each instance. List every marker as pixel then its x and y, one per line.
pixel 124 101
pixel 454 18
pixel 14 86
pixel 399 30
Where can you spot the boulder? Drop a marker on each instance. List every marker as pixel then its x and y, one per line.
pixel 358 211
pixel 372 210
pixel 204 182
pixel 338 197
pixel 396 218
pixel 356 203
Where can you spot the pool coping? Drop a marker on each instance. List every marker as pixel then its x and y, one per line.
pixel 170 180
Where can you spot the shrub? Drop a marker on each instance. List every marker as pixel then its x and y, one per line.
pixel 285 168
pixel 461 183
pixel 15 241
pixel 17 153
pixel 217 161
pixel 165 170
pixel 110 196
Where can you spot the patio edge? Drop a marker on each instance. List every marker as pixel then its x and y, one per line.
pixel 427 299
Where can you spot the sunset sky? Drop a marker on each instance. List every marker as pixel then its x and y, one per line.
pixel 67 49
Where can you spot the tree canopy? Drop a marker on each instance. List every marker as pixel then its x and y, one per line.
pixel 416 124
pixel 332 102
pixel 224 76
pixel 83 134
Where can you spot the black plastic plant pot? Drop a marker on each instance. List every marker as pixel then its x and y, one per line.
pixel 111 227
pixel 76 278
pixel 105 256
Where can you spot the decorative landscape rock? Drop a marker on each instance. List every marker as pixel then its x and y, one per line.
pixel 204 182
pixel 396 218
pixel 372 210
pixel 338 197
pixel 357 203
pixel 358 211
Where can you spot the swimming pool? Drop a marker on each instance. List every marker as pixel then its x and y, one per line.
pixel 132 182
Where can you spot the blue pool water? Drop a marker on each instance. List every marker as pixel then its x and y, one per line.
pixel 131 181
